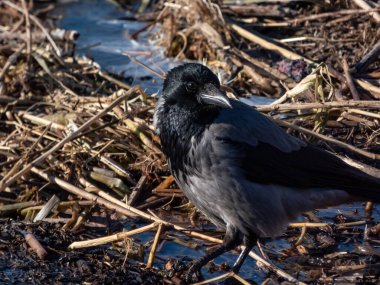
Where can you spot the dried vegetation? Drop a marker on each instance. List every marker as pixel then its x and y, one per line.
pixel 79 158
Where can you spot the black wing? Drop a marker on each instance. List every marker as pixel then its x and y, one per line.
pixel 308 167
pixel 268 155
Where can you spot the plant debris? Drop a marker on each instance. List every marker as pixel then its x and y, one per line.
pixel 81 171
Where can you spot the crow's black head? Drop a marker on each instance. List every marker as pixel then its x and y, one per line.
pixel 190 102
pixel 193 85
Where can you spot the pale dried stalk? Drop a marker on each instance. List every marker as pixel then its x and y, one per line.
pixel 302 235
pixel 330 140
pixel 45 210
pixel 308 225
pixel 35 245
pixel 254 37
pixel 17 206
pixel 273 268
pixel 27 28
pixel 37 22
pixel 111 238
pixel 364 5
pixel 374 90
pixel 208 281
pixel 92 188
pixel 152 253
pixel 318 105
pixel 241 280
pixel 10 61
pixel 349 80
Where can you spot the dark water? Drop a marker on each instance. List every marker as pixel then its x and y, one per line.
pixel 104 36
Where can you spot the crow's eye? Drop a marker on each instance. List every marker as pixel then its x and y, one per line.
pixel 191 86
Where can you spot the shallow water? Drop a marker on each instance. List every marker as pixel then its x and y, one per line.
pixel 105 36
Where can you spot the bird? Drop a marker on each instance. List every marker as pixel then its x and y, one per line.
pixel 245 173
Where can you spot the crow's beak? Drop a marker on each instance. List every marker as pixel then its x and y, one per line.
pixel 214 96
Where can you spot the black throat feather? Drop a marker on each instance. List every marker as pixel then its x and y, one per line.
pixel 180 128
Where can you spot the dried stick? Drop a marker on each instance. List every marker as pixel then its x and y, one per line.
pixel 259 39
pixel 117 169
pixel 111 238
pixel 330 140
pixel 223 276
pixel 374 90
pixel 152 253
pixel 113 80
pixel 269 71
pixel 17 206
pixel 370 57
pixel 308 225
pixel 165 184
pixel 351 224
pixel 350 82
pixel 37 22
pixel 16 167
pixel 160 201
pixel 35 245
pixel 137 130
pixel 241 280
pixel 135 60
pixel 10 61
pixel 141 135
pixel 137 191
pixel 364 5
pixel 42 121
pixel 112 205
pixel 319 16
pixel 208 281
pixel 27 27
pixel 45 210
pixel 273 268
pixel 320 105
pixel 41 158
pixel 302 235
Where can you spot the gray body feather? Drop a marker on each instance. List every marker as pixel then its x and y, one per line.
pixel 214 180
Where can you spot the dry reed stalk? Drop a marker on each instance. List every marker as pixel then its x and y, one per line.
pixel 220 277
pixel 35 245
pixel 152 253
pixel 165 183
pixel 260 40
pixel 330 140
pixel 27 28
pixel 319 105
pixel 38 24
pixel 364 5
pixel 17 206
pixel 350 81
pixel 111 238
pixel 308 225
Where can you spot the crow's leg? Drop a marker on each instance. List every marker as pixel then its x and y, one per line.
pixel 248 243
pixel 230 241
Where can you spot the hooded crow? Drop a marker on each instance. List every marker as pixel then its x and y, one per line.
pixel 241 170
